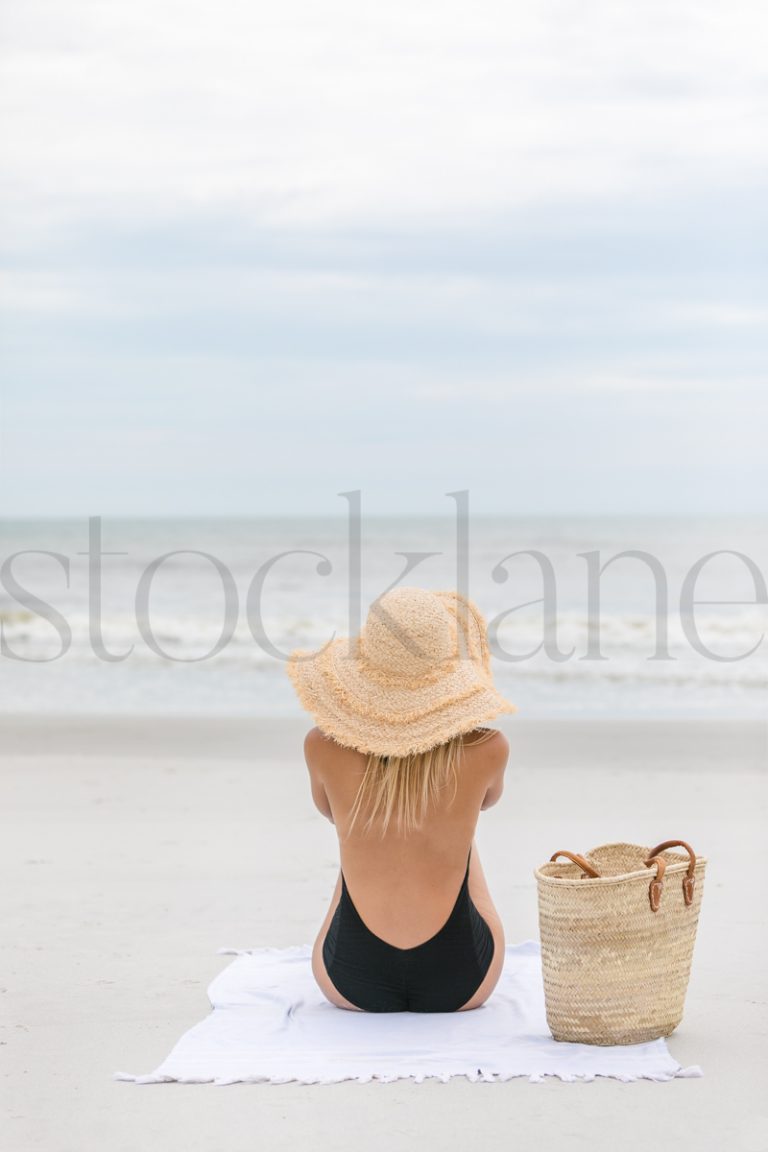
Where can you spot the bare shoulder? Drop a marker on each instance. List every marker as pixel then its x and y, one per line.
pixel 492 746
pixel 315 745
pixel 315 738
pixel 319 749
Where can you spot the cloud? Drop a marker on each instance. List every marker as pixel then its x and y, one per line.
pixel 359 113
pixel 309 245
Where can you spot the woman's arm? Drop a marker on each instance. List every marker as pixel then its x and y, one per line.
pixel 319 794
pixel 498 763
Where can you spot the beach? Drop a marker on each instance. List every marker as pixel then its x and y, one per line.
pixel 304 306
pixel 134 847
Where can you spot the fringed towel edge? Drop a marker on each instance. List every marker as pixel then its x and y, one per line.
pixel 692 1071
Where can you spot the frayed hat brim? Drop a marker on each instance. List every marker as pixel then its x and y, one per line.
pixel 371 717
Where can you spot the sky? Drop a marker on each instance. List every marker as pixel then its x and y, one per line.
pixel 257 255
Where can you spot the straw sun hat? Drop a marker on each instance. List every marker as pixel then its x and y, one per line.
pixel 418 673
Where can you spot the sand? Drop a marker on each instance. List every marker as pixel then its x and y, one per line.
pixel 133 848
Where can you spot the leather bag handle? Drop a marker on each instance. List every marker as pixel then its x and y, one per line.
pixel 587 869
pixel 689 880
pixel 657 884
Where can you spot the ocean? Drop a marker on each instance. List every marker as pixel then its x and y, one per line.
pixel 191 616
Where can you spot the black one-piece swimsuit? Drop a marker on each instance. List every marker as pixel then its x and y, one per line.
pixel 439 975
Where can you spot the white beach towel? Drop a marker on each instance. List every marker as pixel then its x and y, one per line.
pixel 270 1022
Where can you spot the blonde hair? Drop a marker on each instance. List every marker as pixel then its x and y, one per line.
pixel 403 787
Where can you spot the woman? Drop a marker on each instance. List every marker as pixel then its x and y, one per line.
pixel 399 764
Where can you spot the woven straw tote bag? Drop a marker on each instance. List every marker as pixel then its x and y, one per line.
pixel 618 926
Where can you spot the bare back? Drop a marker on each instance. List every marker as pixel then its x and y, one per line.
pixel 404 886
